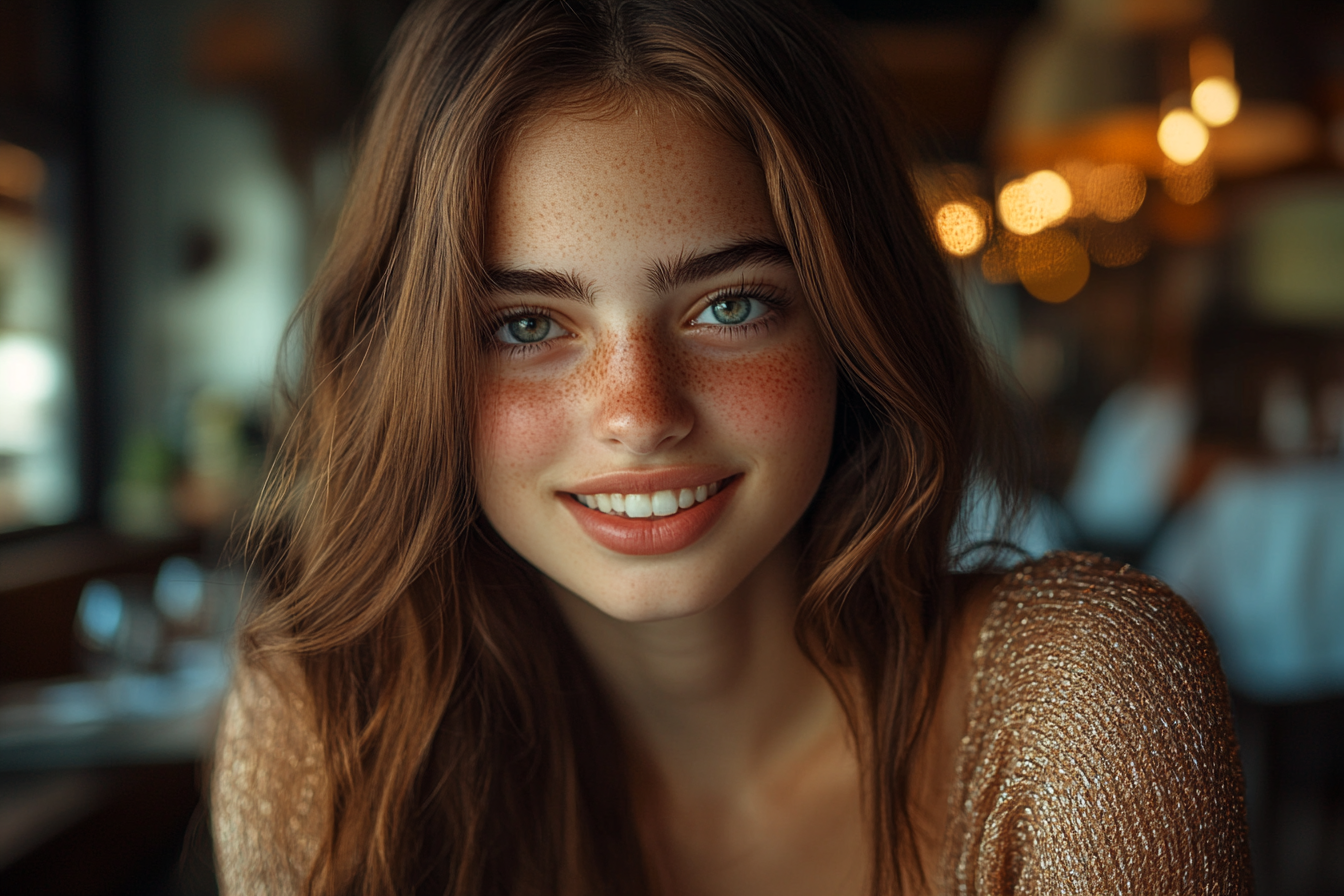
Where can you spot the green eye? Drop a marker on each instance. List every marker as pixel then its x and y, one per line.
pixel 525 330
pixel 731 311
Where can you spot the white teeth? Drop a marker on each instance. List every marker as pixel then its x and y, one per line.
pixel 638 506
pixel 663 503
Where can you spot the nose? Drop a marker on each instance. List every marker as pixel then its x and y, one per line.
pixel 641 396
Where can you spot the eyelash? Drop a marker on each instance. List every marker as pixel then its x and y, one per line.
pixel 774 302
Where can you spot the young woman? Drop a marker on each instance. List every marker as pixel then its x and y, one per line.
pixel 609 548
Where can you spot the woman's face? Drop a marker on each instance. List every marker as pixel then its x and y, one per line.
pixel 652 351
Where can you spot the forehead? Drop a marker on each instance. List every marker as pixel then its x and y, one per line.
pixel 572 183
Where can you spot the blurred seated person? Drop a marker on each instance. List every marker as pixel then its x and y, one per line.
pixel 1258 548
pixel 1257 543
pixel 1260 554
pixel 1130 464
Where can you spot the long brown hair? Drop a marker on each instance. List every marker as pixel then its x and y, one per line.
pixel 468 746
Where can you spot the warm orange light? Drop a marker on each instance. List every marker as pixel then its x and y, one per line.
pixel 1116 191
pixel 999 263
pixel 1053 265
pixel 961 228
pixel 1115 245
pixel 1111 192
pixel 1210 56
pixel 22 172
pixel 1216 100
pixel 1035 202
pixel 1182 136
pixel 1188 184
pixel 1076 173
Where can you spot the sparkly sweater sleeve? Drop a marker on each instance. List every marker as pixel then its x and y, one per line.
pixel 267 793
pixel 1099 755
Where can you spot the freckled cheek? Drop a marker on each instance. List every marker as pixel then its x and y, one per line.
pixel 783 399
pixel 522 424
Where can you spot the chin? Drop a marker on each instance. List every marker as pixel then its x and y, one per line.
pixel 679 588
pixel 642 598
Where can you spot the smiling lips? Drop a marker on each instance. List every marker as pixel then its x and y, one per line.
pixel 654 522
pixel 667 502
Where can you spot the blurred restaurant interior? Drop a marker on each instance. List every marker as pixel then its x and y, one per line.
pixel 1142 199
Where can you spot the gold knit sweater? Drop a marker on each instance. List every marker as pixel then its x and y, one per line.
pixel 1098 757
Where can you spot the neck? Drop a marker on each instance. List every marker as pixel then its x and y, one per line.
pixel 715 701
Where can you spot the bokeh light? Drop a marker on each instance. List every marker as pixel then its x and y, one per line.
pixel 999 263
pixel 1053 266
pixel 1182 136
pixel 1188 184
pixel 1035 202
pixel 100 614
pixel 1216 100
pixel 1077 172
pixel 179 589
pixel 1113 192
pixel 29 370
pixel 961 227
pixel 1113 245
pixel 1116 192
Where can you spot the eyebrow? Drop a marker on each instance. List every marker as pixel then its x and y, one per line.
pixel 555 284
pixel 667 276
pixel 663 276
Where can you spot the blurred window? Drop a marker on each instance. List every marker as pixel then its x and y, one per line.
pixel 39 457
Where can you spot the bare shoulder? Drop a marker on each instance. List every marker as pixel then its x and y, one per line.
pixel 267 789
pixel 1098 739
